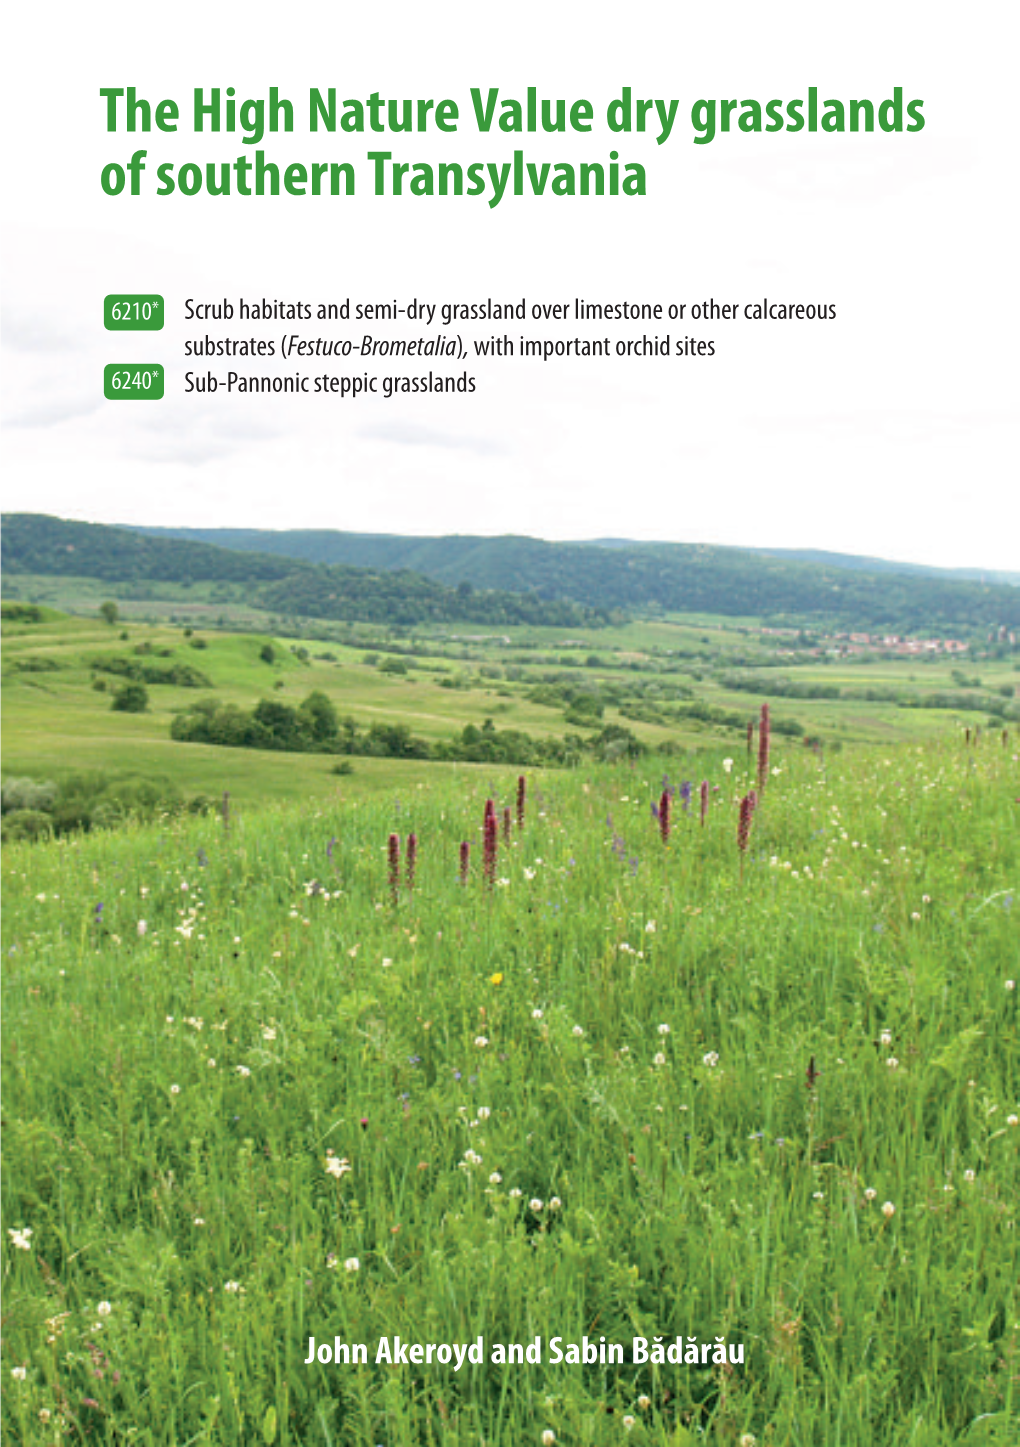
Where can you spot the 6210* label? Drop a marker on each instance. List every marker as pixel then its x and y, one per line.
pixel 133 382
pixel 136 312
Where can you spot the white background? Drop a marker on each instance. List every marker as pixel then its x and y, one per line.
pixel 890 432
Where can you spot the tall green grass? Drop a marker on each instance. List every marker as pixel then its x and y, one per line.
pixel 199 1017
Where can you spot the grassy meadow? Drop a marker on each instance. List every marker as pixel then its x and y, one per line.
pixel 729 1139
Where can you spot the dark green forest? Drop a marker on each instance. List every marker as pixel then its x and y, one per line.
pixel 511 580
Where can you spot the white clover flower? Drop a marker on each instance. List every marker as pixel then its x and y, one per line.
pixel 211 1063
pixel 516 1193
pixel 472 1158
pixel 18 1373
pixel 885 1038
pixel 870 1193
pixel 629 1423
pixel 548 1437
pixel 104 1309
pixel 892 1063
pixel 578 1031
pixel 536 1204
pixel 1013 1120
pixel 529 873
pixel 969 1177
pixel 484 1112
pixel 175 1089
pixel 352 1264
pixel 536 1014
pixel 818 1196
pixel 727 766
pixel 1011 984
pixel 21 1238
pixel 338 1166
pixel 555 1203
pixel 663 1029
pixel 888 1209
pixel 481 1041
pixel 232 1286
pixel 495 1179
pixel 650 927
pixel 199 1220
pixel 658 1058
pixel 142 928
pixel 711 1059
pixel 243 1070
pixel 268 1033
pixel 644 1402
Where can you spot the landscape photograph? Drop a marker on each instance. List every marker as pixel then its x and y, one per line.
pixel 510 776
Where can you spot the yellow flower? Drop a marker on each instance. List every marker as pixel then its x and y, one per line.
pixel 497 978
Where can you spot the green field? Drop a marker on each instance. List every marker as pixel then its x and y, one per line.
pixel 633 1086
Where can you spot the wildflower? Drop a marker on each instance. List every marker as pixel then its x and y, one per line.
pixel 393 850
pixel 506 824
pixel 664 816
pixel 481 1041
pixel 886 1037
pixel 243 1071
pixel 658 1058
pixel 175 1089
pixel 644 1402
pixel 21 1238
pixel 232 1286
pixel 142 928
pixel 764 737
pixel 536 1014
pixel 870 1193
pixel 44 1415
pixel 497 978
pixel 893 1063
pixel 555 1203
pixel 663 1029
pixel 352 1264
pixel 704 796
pixel 465 851
pixel 484 1112
pixel 628 1423
pixel 412 858
pixel 529 874
pixel 747 804
pixel 888 1209
pixel 535 1204
pixel 727 766
pixel 521 792
pixel 104 1309
pixel 338 1166
pixel 818 1196
pixel 490 842
pixel 578 1030
pixel 18 1373
pixel 748 1439
pixel 1011 984
pixel 199 1221
pixel 332 1261
pixel 548 1437
pixel 650 927
pixel 211 1063
pixel 516 1192
pixel 711 1059
pixel 968 1176
pixel 268 1033
pixel 495 1178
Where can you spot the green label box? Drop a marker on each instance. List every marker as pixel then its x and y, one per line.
pixel 136 312
pixel 133 382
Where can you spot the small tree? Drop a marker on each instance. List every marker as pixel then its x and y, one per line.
pixel 131 698
pixel 109 612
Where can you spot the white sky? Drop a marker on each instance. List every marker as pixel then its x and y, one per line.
pixel 891 431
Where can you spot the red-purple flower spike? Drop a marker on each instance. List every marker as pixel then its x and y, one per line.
pixel 664 816
pixel 704 801
pixel 521 787
pixel 490 843
pixel 747 804
pixel 465 859
pixel 764 732
pixel 394 856
pixel 506 823
pixel 412 858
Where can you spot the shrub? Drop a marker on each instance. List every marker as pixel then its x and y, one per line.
pixel 26 824
pixel 130 698
pixel 27 795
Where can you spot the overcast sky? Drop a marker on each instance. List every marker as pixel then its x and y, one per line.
pixel 889 431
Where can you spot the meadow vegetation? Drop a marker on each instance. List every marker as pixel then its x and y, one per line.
pixel 273 1073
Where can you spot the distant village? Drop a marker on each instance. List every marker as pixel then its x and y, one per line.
pixel 841 645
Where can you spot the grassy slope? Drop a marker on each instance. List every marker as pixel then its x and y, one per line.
pixel 712 1193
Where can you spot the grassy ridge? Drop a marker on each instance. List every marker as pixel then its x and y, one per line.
pixel 531 1153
